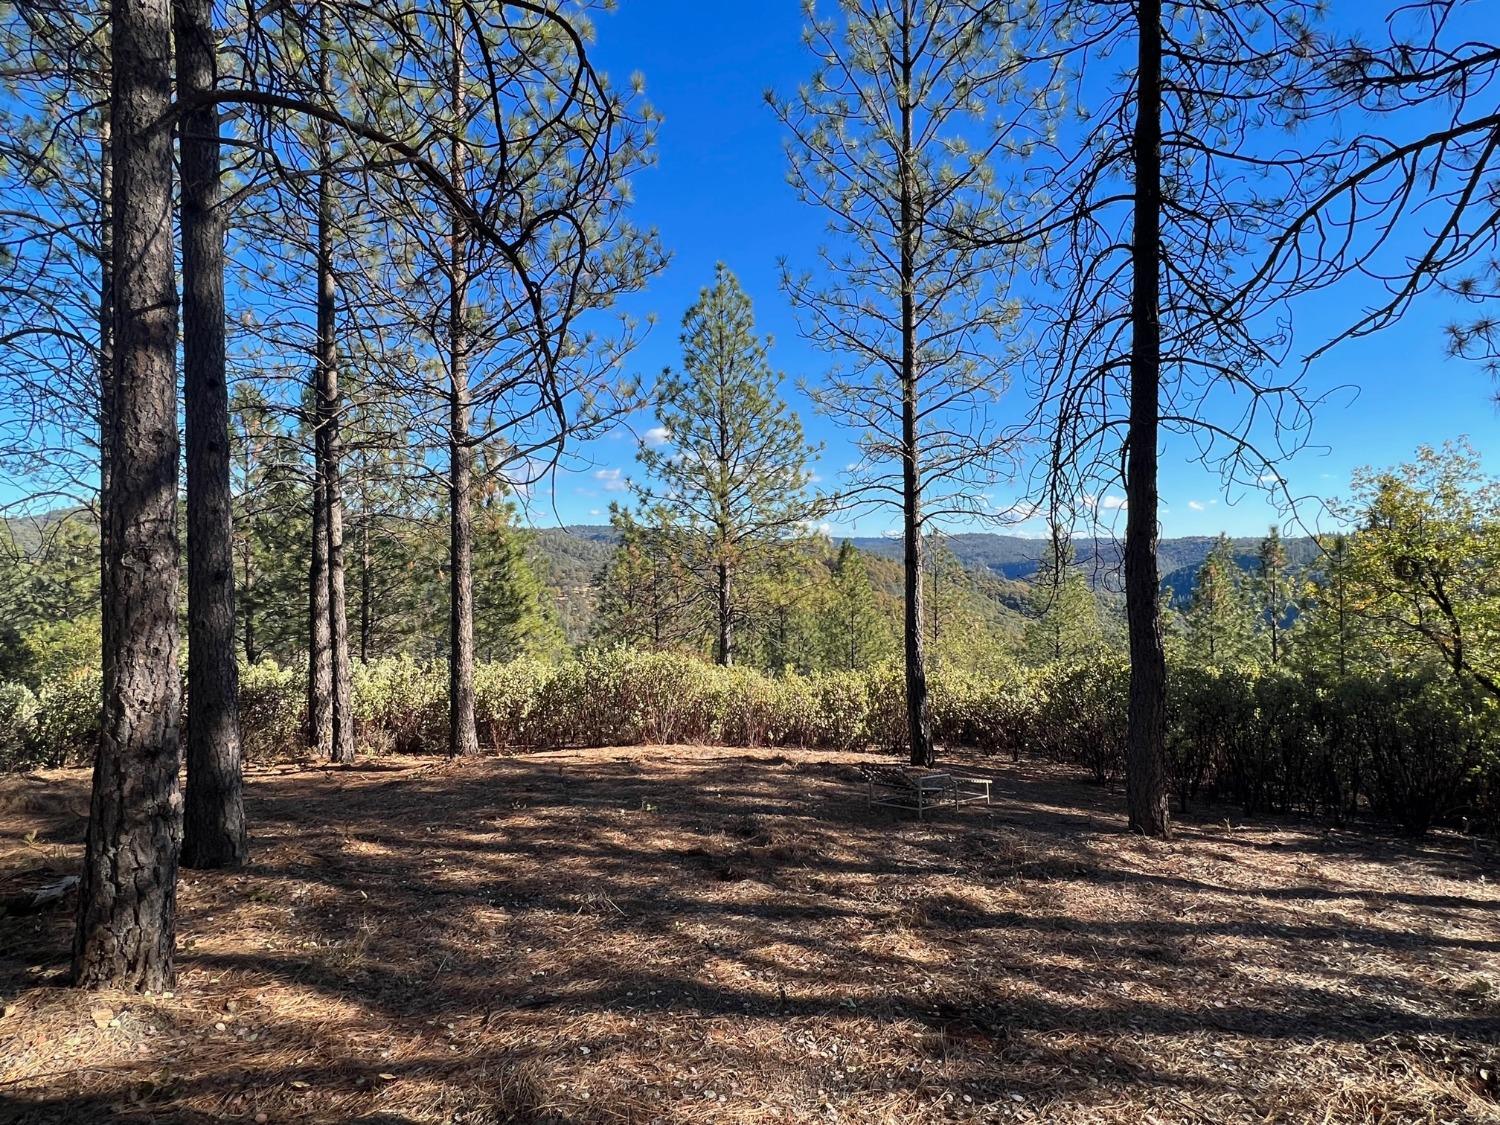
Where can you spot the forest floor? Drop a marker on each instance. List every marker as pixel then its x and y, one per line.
pixel 697 934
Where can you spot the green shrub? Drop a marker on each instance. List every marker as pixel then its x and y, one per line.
pixel 1417 747
pixel 273 709
pixel 18 708
pixel 400 706
pixel 1082 715
pixel 67 720
pixel 1427 743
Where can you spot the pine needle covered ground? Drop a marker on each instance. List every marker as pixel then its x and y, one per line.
pixel 689 934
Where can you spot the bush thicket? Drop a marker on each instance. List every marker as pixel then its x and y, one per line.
pixel 1415 747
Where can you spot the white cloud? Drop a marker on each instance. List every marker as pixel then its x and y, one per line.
pixel 657 435
pixel 1113 503
pixel 1270 478
pixel 596 511
pixel 611 479
pixel 1198 505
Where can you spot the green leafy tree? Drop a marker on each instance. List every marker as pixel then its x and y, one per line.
pixel 1424 564
pixel 733 474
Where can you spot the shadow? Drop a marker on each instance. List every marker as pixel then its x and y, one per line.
pixel 618 934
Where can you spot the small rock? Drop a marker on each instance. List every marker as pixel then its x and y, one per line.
pixel 261 1119
pixel 102 1016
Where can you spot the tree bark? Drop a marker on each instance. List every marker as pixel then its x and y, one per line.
pixel 338 614
pixel 463 738
pixel 365 623
pixel 127 891
pixel 1145 756
pixel 214 813
pixel 329 708
pixel 106 363
pixel 319 656
pixel 918 710
pixel 725 614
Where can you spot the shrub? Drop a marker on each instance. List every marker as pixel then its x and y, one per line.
pixel 400 706
pixel 1427 743
pixel 273 709
pixel 1082 715
pixel 18 708
pixel 67 720
pixel 1417 747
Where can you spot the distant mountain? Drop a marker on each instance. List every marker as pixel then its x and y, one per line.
pixel 574 556
pixel 1017 558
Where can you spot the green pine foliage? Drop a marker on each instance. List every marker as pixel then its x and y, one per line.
pixel 731 477
pixel 1219 624
pixel 1066 623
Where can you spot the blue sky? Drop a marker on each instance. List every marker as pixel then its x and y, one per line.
pixel 719 192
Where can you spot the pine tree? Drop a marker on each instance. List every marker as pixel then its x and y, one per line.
pixel 646 598
pixel 1066 623
pixel 514 613
pixel 1220 619
pixel 855 633
pixel 895 139
pixel 1273 593
pixel 734 472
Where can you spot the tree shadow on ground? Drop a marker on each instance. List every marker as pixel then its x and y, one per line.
pixel 629 934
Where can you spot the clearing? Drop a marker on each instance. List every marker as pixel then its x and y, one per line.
pixel 696 934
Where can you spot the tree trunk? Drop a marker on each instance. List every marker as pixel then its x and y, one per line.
pixel 463 738
pixel 214 810
pixel 319 668
pixel 726 624
pixel 331 674
pixel 127 889
pixel 365 623
pixel 918 710
pixel 106 363
pixel 1145 754
pixel 338 615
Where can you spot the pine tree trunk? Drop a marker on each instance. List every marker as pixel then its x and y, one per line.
pixel 724 615
pixel 338 615
pixel 1145 765
pixel 319 666
pixel 330 674
pixel 127 891
pixel 918 710
pixel 106 363
pixel 214 816
pixel 463 738
pixel 364 583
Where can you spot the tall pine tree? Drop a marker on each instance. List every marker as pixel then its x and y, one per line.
pixel 734 473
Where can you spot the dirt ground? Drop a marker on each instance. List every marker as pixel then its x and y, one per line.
pixel 696 934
